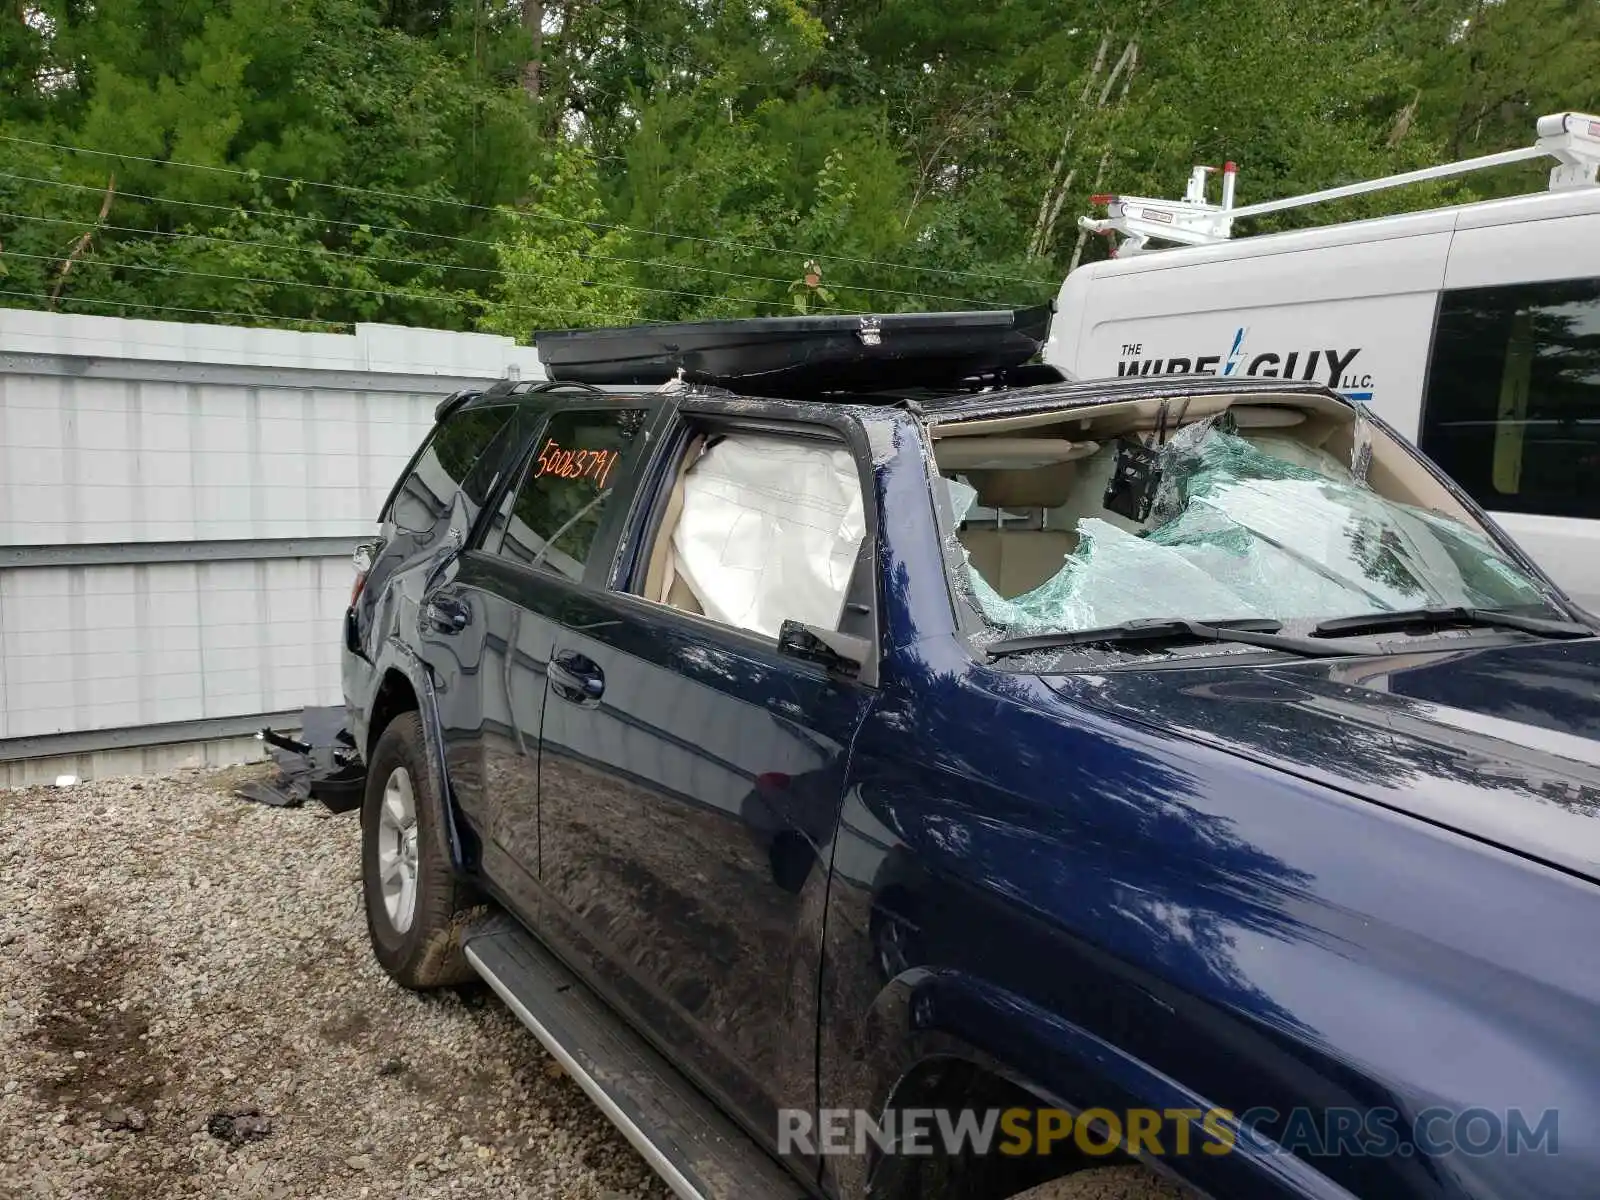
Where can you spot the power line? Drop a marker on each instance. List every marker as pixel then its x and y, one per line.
pixel 371 258
pixel 423 297
pixel 207 312
pixel 367 226
pixel 351 189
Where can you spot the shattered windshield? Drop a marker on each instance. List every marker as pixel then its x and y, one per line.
pixel 1220 526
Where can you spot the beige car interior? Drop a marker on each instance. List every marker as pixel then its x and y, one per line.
pixel 662 583
pixel 758 529
pixel 1042 472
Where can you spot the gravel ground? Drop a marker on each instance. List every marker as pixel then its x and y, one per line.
pixel 188 1007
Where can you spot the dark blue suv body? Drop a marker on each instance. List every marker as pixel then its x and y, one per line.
pixel 1269 911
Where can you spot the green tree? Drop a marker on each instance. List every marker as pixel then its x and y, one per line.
pixel 1488 70
pixel 558 266
pixel 519 163
pixel 255 95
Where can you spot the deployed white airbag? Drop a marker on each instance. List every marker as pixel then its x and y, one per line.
pixel 769 532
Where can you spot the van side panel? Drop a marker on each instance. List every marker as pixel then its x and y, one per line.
pixel 1062 346
pixel 1526 252
pixel 1568 548
pixel 1358 317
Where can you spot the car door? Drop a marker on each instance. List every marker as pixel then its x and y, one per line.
pixel 457 620
pixel 576 472
pixel 690 779
pixel 432 515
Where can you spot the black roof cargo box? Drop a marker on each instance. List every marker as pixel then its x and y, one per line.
pixel 800 356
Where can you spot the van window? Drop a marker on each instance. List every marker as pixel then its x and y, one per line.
pixel 1513 403
pixel 462 455
pixel 567 487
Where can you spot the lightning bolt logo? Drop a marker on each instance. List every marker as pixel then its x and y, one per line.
pixel 1237 351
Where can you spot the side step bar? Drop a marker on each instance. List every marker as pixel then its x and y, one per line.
pixel 700 1153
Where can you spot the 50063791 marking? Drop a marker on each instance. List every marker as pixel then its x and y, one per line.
pixel 575 464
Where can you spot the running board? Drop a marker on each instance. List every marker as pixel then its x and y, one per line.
pixel 697 1151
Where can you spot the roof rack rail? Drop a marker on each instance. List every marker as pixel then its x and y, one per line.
pixel 818 356
pixel 1572 139
pixel 505 387
pixel 526 387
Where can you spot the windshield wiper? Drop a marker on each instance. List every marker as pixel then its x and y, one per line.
pixel 1251 632
pixel 1423 618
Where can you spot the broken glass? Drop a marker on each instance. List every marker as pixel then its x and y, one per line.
pixel 1238 531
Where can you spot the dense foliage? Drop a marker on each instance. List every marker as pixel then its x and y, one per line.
pixel 513 164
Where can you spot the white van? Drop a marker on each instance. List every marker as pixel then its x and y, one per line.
pixel 1474 330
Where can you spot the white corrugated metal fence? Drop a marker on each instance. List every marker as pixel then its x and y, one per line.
pixel 178 504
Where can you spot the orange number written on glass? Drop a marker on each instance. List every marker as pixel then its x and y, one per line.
pixel 575 464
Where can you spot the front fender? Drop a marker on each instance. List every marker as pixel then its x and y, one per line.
pixel 1104 909
pixel 968 918
pixel 926 1015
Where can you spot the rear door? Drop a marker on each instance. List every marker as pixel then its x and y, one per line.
pixel 437 497
pixel 572 486
pixel 453 621
pixel 690 780
pixel 428 519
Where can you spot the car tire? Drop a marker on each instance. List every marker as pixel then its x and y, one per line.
pixel 1107 1183
pixel 416 907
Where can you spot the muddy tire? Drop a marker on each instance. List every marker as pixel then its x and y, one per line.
pixel 1107 1183
pixel 416 909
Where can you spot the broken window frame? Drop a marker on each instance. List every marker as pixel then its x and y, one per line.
pixel 709 415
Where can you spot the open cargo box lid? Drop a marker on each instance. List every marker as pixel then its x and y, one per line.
pixel 796 356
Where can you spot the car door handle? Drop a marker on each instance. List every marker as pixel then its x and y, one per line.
pixel 447 614
pixel 576 678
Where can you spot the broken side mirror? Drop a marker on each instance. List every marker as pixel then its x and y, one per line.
pixel 841 653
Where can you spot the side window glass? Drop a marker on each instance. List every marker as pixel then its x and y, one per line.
pixel 467 440
pixel 1513 404
pixel 567 488
pixel 497 458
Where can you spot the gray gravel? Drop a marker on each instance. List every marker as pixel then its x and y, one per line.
pixel 188 1007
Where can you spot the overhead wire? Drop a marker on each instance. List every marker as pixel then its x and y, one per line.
pixel 175 308
pixel 458 239
pixel 387 293
pixel 414 198
pixel 368 258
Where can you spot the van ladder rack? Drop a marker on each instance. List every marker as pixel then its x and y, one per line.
pixel 1572 139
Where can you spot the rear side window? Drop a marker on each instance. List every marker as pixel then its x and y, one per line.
pixel 464 455
pixel 568 486
pixel 1513 404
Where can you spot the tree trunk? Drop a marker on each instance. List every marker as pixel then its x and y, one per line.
pixel 1127 62
pixel 533 22
pixel 1130 60
pixel 82 244
pixel 1402 122
pixel 1051 200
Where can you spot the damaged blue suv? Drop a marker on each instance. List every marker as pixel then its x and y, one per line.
pixel 875 767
